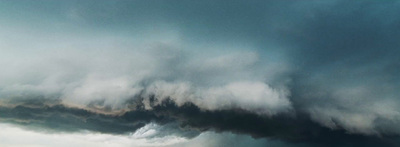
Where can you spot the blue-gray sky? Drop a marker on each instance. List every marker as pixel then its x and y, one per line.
pixel 278 73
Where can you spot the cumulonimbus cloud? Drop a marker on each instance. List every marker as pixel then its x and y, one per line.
pixel 325 66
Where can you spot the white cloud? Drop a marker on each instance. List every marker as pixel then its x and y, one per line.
pixel 12 136
pixel 253 96
pixel 112 69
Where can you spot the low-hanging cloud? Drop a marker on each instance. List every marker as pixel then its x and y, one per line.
pixel 324 66
pixel 112 76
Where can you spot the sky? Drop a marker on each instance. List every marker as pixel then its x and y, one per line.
pixel 199 73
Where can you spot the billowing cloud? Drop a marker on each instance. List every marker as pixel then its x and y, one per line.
pixel 319 73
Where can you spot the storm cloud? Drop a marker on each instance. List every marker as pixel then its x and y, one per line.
pixel 313 73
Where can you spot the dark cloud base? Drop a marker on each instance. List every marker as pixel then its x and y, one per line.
pixel 190 122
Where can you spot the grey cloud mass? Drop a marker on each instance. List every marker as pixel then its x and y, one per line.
pixel 307 73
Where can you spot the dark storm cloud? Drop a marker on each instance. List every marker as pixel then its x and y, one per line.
pixel 53 115
pixel 340 82
pixel 346 57
pixel 190 121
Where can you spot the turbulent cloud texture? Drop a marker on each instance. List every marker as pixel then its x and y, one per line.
pixel 309 73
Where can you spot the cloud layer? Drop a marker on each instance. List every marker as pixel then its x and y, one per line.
pixel 299 71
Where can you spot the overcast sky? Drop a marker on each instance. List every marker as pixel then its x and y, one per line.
pixel 199 73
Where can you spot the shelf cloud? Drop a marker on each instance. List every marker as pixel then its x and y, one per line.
pixel 304 73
